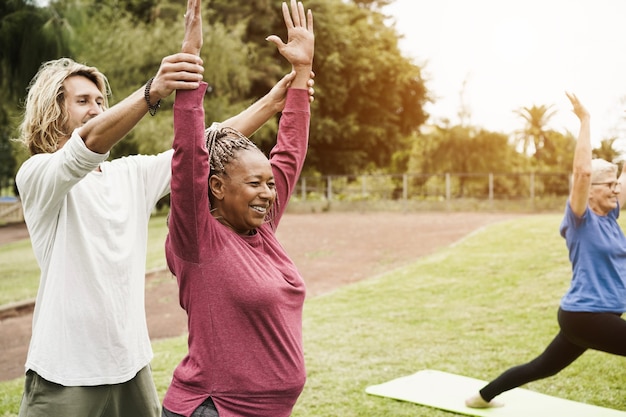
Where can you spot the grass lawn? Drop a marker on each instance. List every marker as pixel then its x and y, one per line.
pixel 477 308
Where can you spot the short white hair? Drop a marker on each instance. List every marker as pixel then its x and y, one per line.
pixel 601 168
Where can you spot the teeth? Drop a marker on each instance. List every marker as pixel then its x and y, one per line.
pixel 260 209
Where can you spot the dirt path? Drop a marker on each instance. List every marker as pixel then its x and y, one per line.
pixel 330 250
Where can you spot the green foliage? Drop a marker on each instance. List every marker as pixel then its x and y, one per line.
pixel 533 137
pixel 29 35
pixel 369 103
pixel 370 98
pixel 460 149
pixel 7 161
pixel 607 150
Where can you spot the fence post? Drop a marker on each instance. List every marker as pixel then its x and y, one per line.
pixel 405 187
pixel 363 186
pixel 303 188
pixel 491 187
pixel 447 186
pixel 329 188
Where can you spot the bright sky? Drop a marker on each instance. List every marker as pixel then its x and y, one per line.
pixel 513 54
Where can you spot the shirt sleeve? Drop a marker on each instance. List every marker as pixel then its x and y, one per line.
pixel 44 180
pixel 288 155
pixel 189 205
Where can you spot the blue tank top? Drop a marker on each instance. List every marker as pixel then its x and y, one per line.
pixel 597 251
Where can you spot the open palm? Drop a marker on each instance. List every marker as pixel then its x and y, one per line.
pixel 300 38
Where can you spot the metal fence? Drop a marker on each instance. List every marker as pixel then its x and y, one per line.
pixel 488 187
pixel 446 186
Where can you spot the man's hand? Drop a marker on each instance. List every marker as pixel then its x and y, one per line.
pixel 182 71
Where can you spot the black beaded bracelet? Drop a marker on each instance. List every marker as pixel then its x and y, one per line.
pixel 151 108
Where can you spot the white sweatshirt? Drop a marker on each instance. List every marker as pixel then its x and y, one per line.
pixel 88 231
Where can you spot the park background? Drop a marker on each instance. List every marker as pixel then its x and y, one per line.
pixel 399 84
pixel 474 308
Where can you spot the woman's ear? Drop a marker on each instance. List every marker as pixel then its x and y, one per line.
pixel 216 186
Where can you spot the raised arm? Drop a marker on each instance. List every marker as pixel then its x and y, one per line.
pixel 192 42
pixel 300 44
pixel 581 169
pixel 299 52
pixel 257 114
pixel 182 71
pixel 190 164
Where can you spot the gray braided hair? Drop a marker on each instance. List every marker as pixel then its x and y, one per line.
pixel 222 144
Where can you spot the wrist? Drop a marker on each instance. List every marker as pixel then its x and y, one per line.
pixel 153 105
pixel 301 79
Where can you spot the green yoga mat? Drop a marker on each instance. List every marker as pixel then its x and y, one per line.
pixel 448 392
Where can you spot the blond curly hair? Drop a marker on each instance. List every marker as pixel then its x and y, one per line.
pixel 45 116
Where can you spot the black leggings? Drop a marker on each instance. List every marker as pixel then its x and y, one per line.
pixel 605 332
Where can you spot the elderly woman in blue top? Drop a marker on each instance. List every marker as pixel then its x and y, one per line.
pixel 590 313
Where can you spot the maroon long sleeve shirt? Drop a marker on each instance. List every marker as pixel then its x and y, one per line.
pixel 243 295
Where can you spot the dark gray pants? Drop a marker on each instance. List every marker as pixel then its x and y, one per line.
pixel 206 409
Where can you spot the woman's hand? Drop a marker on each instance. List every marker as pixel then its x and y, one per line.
pixel 192 42
pixel 579 110
pixel 300 45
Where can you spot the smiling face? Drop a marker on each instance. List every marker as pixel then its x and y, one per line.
pixel 603 194
pixel 246 192
pixel 82 100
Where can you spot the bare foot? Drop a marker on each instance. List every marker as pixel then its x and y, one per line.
pixel 476 401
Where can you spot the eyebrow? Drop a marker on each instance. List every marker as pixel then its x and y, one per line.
pixel 87 96
pixel 258 177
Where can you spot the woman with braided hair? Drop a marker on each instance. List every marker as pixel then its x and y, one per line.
pixel 242 293
pixel 223 146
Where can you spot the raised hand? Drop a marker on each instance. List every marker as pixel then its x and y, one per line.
pixel 300 44
pixel 192 42
pixel 578 109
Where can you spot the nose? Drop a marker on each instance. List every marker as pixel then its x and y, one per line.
pixel 267 192
pixel 95 109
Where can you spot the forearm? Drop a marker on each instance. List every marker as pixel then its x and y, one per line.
pixel 582 151
pixel 581 169
pixel 190 171
pixel 288 155
pixel 104 131
pixel 251 119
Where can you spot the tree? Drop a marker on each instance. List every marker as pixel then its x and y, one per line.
pixel 606 150
pixel 29 35
pixel 532 138
pixel 369 97
pixel 225 55
pixel 7 162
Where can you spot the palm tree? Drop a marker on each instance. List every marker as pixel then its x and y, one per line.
pixel 606 150
pixel 532 138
